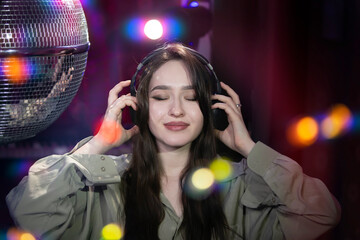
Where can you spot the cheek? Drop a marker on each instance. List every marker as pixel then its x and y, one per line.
pixel 197 115
pixel 201 121
pixel 155 113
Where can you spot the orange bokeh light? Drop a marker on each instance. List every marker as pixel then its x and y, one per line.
pixel 110 131
pixel 17 70
pixel 303 131
pixel 16 234
pixel 337 122
pixel 27 236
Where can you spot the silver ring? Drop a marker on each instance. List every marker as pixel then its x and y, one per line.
pixel 238 105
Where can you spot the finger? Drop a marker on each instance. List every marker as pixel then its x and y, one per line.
pixel 231 92
pixel 114 111
pixel 125 100
pixel 133 131
pixel 225 99
pixel 114 92
pixel 232 114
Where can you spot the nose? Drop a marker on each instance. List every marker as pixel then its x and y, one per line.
pixel 176 108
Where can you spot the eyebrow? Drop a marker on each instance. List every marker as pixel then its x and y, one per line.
pixel 166 87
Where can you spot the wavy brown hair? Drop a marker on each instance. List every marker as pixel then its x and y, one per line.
pixel 202 219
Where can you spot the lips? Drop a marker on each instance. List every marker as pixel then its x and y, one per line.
pixel 176 126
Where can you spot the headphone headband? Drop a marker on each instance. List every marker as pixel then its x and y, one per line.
pixel 200 57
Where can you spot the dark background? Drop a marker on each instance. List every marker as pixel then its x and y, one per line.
pixel 285 58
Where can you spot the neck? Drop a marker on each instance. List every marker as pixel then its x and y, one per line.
pixel 174 161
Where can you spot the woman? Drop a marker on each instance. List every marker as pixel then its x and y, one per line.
pixel 267 197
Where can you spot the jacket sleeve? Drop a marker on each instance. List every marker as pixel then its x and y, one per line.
pixel 307 209
pixel 57 191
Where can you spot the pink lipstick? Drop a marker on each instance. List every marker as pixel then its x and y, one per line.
pixel 176 126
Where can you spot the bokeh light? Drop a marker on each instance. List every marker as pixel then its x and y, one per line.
pixel 337 122
pixel 356 122
pixel 167 27
pixel 307 129
pixel 174 28
pixel 2 234
pixel 17 70
pixel 203 178
pixel 199 183
pixel 88 3
pixel 16 234
pixel 13 234
pixel 303 131
pixel 221 169
pixel 27 236
pixel 109 131
pixel 194 4
pixel 111 231
pixel 133 29
pixel 153 29
pixel 18 169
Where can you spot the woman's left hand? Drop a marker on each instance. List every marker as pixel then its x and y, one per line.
pixel 236 135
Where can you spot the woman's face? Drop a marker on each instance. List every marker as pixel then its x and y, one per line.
pixel 175 118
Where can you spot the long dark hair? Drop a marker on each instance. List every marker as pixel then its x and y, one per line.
pixel 140 188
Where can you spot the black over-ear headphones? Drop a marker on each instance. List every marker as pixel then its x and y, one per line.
pixel 219 115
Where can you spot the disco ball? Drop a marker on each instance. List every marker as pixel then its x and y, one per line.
pixel 43 53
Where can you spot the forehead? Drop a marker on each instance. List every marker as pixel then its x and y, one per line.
pixel 172 73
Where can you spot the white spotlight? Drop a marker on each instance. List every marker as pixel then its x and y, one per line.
pixel 153 29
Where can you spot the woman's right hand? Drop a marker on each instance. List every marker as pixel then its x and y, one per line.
pixel 111 133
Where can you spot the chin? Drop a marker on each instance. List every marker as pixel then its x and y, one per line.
pixel 176 142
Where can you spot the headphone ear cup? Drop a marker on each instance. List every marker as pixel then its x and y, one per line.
pixel 133 116
pixel 220 118
pixel 133 93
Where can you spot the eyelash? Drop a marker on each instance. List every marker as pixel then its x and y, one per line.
pixel 160 98
pixel 191 99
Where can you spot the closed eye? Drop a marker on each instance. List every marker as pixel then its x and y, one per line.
pixel 159 98
pixel 191 98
